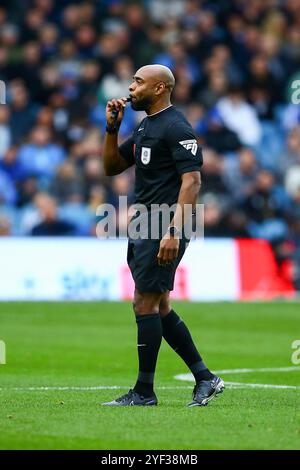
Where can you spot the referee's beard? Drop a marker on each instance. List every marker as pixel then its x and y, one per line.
pixel 142 104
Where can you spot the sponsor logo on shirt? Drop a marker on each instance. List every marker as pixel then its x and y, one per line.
pixel 190 145
pixel 146 155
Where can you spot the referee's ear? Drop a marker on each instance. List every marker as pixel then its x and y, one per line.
pixel 160 88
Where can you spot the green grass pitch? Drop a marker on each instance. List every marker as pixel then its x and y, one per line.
pixel 86 345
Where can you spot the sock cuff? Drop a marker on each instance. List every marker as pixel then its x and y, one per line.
pixel 150 316
pixel 197 367
pixel 170 318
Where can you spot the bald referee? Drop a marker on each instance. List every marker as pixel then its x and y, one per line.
pixel 167 162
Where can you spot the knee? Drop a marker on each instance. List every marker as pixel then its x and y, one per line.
pixel 145 303
pixel 164 306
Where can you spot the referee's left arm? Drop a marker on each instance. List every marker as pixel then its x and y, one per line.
pixel 190 187
pixel 188 159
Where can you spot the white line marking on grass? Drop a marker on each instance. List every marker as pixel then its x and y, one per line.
pixel 261 369
pixel 58 388
pixel 249 385
pixel 190 378
pixel 121 387
pixel 183 377
pixel 85 389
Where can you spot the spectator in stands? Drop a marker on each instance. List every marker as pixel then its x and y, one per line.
pixel 48 38
pixel 96 197
pixel 151 47
pixel 5 131
pixel 217 136
pixel 239 116
pixel 41 157
pixel 107 50
pixel 121 186
pixel 176 58
pixel 214 90
pixel 28 188
pixel 117 83
pixel 85 37
pixel 212 216
pixel 68 60
pixel 6 70
pixel 12 166
pixel 70 19
pixel 226 65
pixel 267 208
pixel 290 155
pixel 33 22
pixel 23 112
pixel 90 77
pixel 29 71
pixel 240 174
pixel 51 224
pixel 212 178
pixel 93 175
pixel 195 114
pixel 262 96
pixel 67 183
pixel 292 179
pixel 9 38
pixel 8 193
pixel 5 225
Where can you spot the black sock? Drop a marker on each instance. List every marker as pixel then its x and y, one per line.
pixel 149 340
pixel 179 338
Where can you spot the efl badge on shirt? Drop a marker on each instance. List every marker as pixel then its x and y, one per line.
pixel 190 144
pixel 146 155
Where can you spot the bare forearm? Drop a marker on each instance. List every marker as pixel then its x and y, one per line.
pixel 186 202
pixel 169 245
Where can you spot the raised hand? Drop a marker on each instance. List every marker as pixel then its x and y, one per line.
pixel 117 104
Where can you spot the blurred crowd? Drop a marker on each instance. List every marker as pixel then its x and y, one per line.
pixel 235 63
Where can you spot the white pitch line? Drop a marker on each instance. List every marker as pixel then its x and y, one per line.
pixel 190 378
pixel 183 377
pixel 61 389
pixel 262 369
pixel 86 389
pixel 249 385
pixel 120 387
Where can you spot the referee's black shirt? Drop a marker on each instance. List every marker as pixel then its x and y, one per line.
pixel 163 147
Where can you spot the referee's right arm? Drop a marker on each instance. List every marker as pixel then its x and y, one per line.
pixel 113 162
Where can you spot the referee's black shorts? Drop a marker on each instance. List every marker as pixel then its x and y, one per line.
pixel 147 274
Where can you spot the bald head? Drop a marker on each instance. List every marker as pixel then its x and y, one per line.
pixel 151 88
pixel 158 73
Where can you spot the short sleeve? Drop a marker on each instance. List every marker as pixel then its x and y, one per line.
pixel 126 150
pixel 184 147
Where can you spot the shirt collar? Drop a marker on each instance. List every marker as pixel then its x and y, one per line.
pixel 154 114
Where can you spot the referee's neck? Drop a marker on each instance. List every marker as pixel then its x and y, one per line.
pixel 158 107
